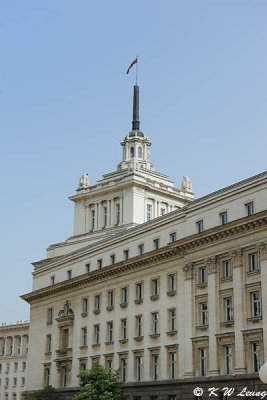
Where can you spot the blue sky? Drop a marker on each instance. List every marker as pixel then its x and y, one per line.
pixel 66 103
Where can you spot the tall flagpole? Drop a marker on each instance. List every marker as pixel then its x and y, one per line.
pixel 136 70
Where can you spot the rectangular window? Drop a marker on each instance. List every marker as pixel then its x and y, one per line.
pixel 93 219
pixel 255 352
pixel 141 249
pixel 172 358
pixel 126 254
pixel 105 216
pixel 227 268
pixel 50 315
pixel 118 213
pixel 173 237
pixel 202 362
pixel 172 320
pixel 52 280
pixel 155 287
pixel 203 314
pixel 82 367
pixel 200 226
pixel 255 304
pixel 228 360
pixel 124 328
pixel 84 336
pixel 110 331
pixel 109 367
pixel 99 263
pixel 139 291
pixel 14 381
pixel 111 298
pixel 203 275
pixel 69 274
pixel 85 305
pixel 48 343
pixel 155 367
pixel 139 326
pixel 112 259
pixel 23 381
pixel 139 364
pixel 97 302
pixel 47 376
pixel 87 268
pixel 15 366
pixel 156 244
pixel 223 218
pixel 228 306
pixel 162 211
pixel 123 369
pixel 97 333
pixel 172 282
pixel 148 212
pixel 155 323
pixel 64 376
pixel 253 262
pixel 249 208
pixel 124 295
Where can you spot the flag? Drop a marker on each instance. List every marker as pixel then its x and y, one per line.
pixel 134 62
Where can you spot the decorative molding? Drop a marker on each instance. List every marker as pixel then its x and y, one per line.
pixel 262 248
pixel 236 257
pixel 211 265
pixel 171 251
pixel 188 271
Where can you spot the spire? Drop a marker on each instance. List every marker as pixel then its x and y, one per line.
pixel 136 122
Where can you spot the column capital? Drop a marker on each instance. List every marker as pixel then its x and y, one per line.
pixel 212 265
pixel 262 249
pixel 188 270
pixel 236 257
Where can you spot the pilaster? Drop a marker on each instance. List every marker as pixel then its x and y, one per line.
pixel 212 316
pixel 263 266
pixel 188 320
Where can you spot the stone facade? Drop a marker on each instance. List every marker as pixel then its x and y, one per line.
pixel 167 289
pixel 13 359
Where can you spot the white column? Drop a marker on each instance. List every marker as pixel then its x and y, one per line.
pixel 212 269
pixel 185 318
pixel 86 218
pixel 236 259
pixel 263 266
pixel 158 209
pixel 121 210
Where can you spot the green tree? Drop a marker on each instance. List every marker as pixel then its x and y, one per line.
pixel 98 384
pixel 48 393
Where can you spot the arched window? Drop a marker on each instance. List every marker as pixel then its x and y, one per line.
pixel 132 152
pixel 139 152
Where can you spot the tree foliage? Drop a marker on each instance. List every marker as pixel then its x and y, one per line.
pixel 48 393
pixel 98 384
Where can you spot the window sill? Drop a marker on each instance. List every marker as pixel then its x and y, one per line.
pixel 110 308
pixel 123 305
pixel 171 293
pixel 253 272
pixel 84 314
pixel 123 341
pixel 96 345
pixel 154 297
pixel 227 323
pixel 138 301
pixel 202 285
pixel 154 335
pixel 171 333
pixel 138 338
pixel 202 327
pixel 254 319
pixel 83 347
pixel 226 278
pixel 108 343
pixel 96 311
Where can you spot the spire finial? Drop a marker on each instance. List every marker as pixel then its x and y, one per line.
pixel 136 122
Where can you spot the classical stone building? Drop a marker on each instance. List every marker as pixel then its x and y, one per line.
pixel 13 359
pixel 167 289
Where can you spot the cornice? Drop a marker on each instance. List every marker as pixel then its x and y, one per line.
pixel 173 250
pixel 14 328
